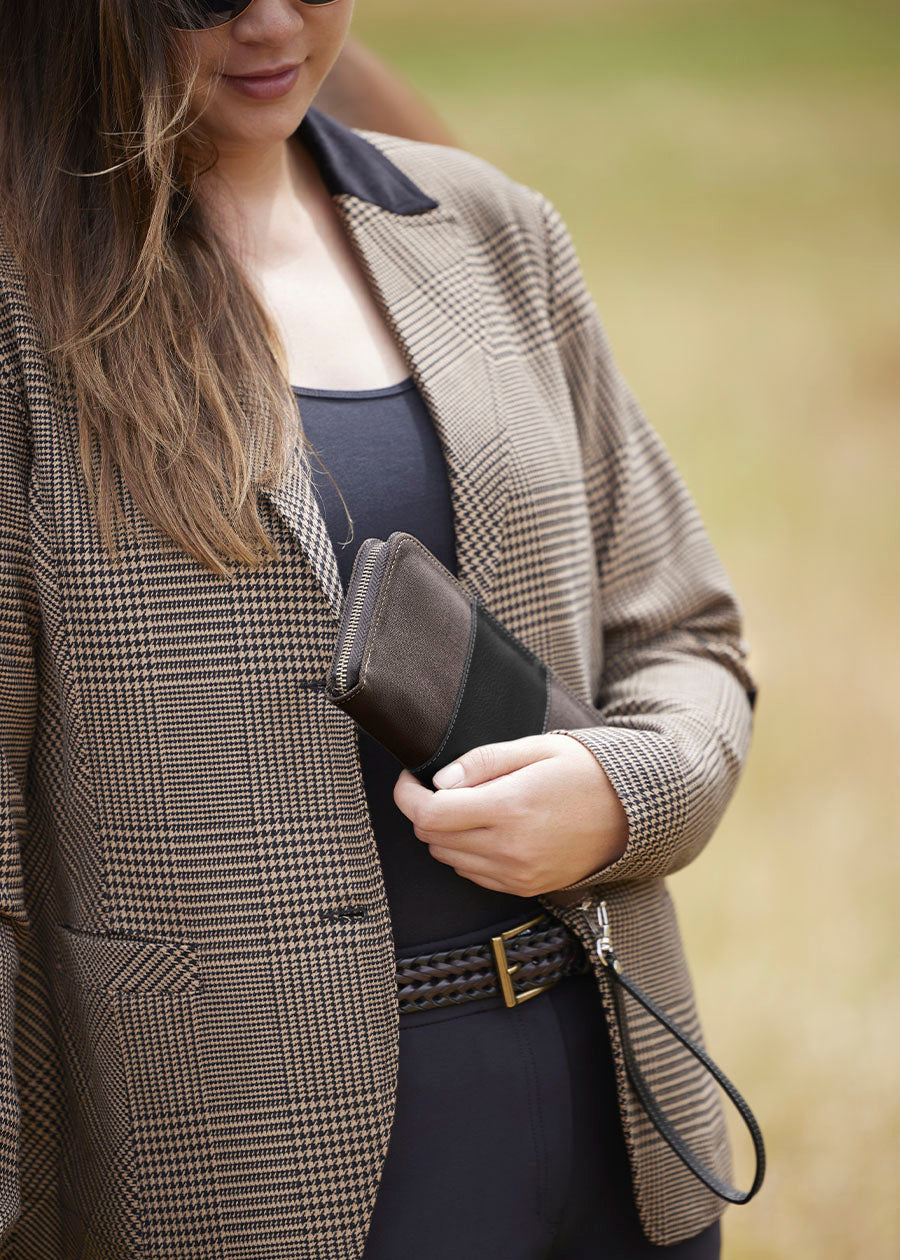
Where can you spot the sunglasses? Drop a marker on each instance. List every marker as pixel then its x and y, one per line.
pixel 206 15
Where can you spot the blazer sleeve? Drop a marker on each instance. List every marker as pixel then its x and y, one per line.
pixel 675 692
pixel 18 705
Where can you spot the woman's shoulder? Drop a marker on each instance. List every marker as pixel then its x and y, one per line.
pixel 470 186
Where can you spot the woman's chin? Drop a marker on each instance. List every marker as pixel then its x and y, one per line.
pixel 254 130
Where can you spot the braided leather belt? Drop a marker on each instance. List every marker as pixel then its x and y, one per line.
pixel 520 963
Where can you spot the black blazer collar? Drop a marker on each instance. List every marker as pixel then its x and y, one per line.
pixel 350 164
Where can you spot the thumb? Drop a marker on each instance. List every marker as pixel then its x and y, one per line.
pixel 489 761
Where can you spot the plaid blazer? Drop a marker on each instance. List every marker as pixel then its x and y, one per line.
pixel 198 1010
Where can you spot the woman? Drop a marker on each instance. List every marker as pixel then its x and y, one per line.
pixel 207 875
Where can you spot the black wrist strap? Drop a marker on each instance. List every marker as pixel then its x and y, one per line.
pixel 622 984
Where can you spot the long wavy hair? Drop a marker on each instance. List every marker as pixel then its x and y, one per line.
pixel 179 373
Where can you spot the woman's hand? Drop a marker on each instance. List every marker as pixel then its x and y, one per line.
pixel 528 815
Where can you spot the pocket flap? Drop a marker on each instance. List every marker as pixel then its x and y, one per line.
pixel 122 963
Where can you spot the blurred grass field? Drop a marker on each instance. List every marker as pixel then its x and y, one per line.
pixel 730 173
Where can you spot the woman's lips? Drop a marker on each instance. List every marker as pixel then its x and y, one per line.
pixel 265 88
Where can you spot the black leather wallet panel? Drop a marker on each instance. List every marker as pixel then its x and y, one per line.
pixel 503 695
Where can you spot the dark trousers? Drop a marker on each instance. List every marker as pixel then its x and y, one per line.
pixel 507 1143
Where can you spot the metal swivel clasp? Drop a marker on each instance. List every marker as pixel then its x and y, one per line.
pixel 602 934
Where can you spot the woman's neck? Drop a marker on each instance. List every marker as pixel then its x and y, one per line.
pixel 264 206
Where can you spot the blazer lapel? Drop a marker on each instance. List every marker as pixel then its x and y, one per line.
pixel 414 255
pixel 295 501
pixel 419 272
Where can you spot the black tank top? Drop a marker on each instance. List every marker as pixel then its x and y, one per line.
pixel 381 448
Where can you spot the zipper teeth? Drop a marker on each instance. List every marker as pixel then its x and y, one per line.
pixel 353 620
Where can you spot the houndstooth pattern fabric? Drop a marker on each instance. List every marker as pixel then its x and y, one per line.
pixel 198 1010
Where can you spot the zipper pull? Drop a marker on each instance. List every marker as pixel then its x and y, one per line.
pixel 602 934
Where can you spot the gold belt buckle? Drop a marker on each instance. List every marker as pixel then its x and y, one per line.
pixel 505 971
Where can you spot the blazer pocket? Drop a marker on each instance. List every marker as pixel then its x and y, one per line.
pixel 128 1008
pixel 120 963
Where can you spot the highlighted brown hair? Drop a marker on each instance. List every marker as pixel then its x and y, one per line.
pixel 179 374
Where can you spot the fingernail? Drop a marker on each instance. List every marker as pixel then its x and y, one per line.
pixel 448 776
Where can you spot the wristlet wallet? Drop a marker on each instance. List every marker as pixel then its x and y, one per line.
pixel 428 671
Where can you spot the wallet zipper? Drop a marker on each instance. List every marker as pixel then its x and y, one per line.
pixel 358 591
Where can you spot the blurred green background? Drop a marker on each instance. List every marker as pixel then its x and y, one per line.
pixel 730 173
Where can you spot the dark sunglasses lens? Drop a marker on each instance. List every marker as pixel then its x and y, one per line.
pixel 202 15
